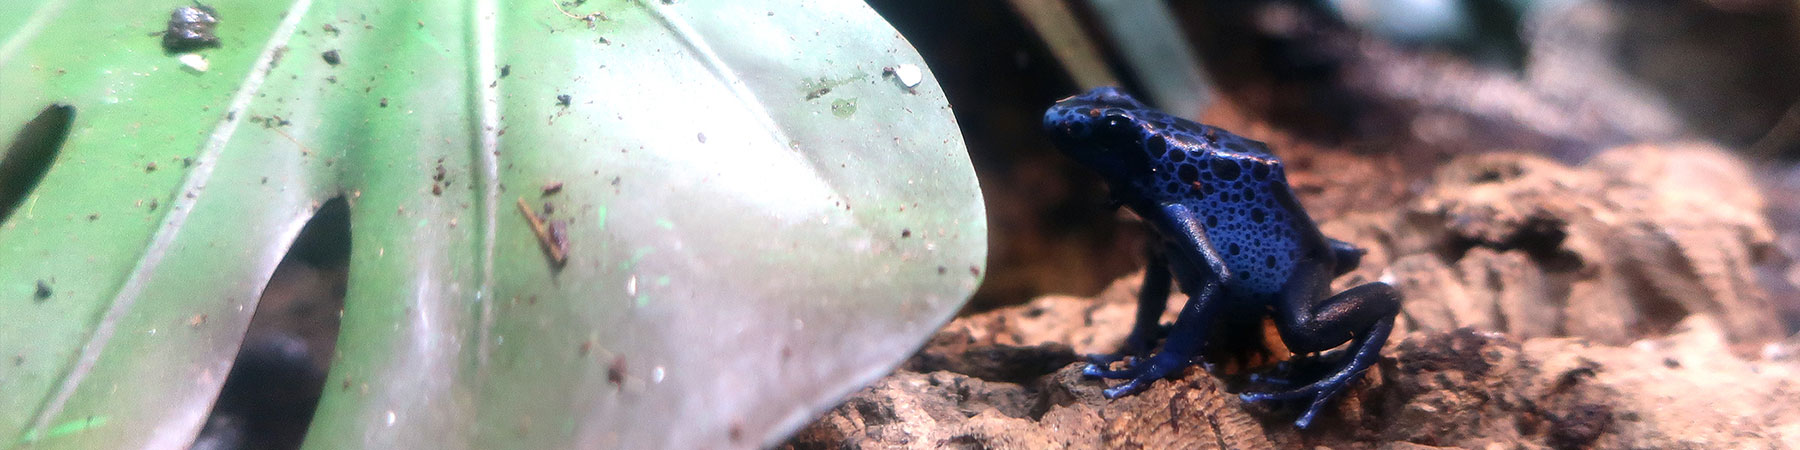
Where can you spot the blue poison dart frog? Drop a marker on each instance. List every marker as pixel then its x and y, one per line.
pixel 1234 237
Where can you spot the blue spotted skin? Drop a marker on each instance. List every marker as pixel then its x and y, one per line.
pixel 1234 239
pixel 1242 194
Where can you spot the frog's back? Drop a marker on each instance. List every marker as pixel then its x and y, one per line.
pixel 1240 193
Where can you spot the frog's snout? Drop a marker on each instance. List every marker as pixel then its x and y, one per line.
pixel 1063 123
pixel 1074 117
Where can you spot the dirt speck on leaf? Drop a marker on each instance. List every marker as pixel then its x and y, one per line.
pixel 190 28
pixel 615 372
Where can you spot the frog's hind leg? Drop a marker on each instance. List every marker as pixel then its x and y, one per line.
pixel 1366 312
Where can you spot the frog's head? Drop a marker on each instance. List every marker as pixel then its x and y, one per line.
pixel 1105 130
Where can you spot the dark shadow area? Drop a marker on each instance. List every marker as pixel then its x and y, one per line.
pixel 1732 72
pixel 30 155
pixel 1052 230
pixel 269 398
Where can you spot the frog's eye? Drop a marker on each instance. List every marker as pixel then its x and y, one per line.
pixel 1115 123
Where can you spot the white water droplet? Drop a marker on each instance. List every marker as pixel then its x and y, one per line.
pixel 909 74
pixel 194 61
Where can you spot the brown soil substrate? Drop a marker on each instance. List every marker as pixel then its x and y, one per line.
pixel 1609 305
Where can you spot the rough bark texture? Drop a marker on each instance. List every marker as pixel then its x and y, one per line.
pixel 1618 249
pixel 1609 305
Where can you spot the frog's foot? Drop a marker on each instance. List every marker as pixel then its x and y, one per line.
pixel 1364 351
pixel 1318 392
pixel 1137 346
pixel 1140 374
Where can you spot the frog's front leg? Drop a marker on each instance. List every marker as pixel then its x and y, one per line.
pixel 1307 326
pixel 1153 298
pixel 1200 280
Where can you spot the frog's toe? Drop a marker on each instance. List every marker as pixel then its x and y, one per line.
pixel 1277 396
pixel 1140 375
pixel 1100 366
pixel 1318 393
pixel 1133 353
pixel 1105 359
pixel 1101 371
pixel 1126 388
pixel 1306 419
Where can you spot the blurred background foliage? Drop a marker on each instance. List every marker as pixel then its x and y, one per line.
pixel 1396 85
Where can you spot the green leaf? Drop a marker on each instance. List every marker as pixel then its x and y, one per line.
pixel 758 219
